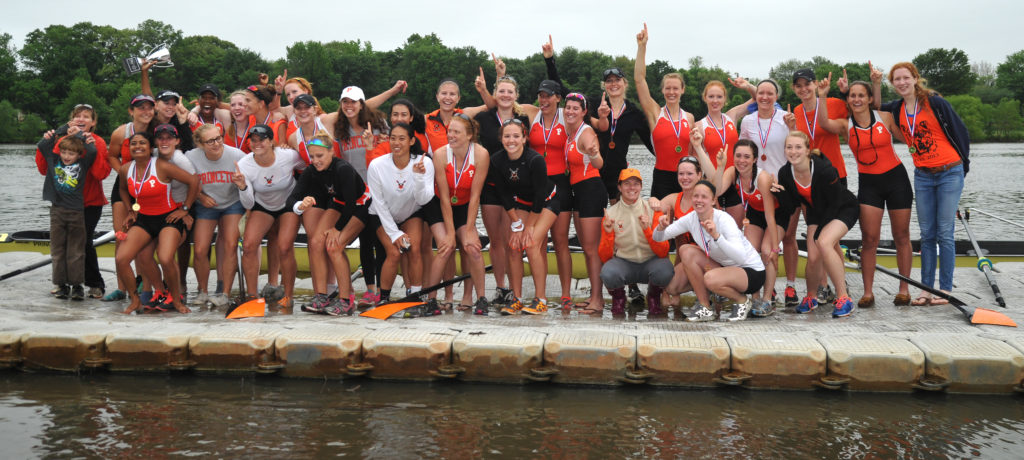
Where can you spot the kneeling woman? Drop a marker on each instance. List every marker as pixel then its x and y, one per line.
pixel 264 180
pixel 809 179
pixel 401 183
pixel 335 190
pixel 521 179
pixel 723 260
pixel 155 215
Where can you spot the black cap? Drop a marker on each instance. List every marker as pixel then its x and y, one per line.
pixel 165 128
pixel 167 94
pixel 139 99
pixel 613 71
pixel 209 88
pixel 305 99
pixel 807 74
pixel 550 87
pixel 261 130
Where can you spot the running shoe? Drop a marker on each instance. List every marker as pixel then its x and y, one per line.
pixel 481 307
pixel 156 298
pixel 826 295
pixel 201 299
pixel 114 296
pixel 56 289
pixel 369 298
pixel 844 307
pixel 807 305
pixel 431 308
pixel 286 302
pixel 415 312
pixel 63 292
pixel 791 299
pixel 701 314
pixel 95 293
pixel 537 307
pixel 77 293
pixel 338 306
pixel 272 293
pixel 740 310
pixel 567 303
pixel 762 308
pixel 317 305
pixel 219 300
pixel 513 308
pixel 165 304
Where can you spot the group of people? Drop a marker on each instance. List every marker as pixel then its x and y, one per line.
pixel 726 192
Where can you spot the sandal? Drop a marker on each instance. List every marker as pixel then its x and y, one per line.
pixel 463 307
pixel 591 311
pixel 941 300
pixel 922 301
pixel 901 299
pixel 866 301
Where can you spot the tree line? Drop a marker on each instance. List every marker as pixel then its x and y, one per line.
pixel 61 66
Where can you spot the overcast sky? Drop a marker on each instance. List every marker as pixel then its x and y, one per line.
pixel 744 36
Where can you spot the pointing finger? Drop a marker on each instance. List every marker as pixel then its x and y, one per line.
pixel 844 72
pixel 788 109
pixel 550 42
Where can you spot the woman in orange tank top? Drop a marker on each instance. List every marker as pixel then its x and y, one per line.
pixel 882 182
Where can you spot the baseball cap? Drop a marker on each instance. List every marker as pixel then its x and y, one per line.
pixel 165 128
pixel 305 99
pixel 166 94
pixel 209 88
pixel 629 173
pixel 353 93
pixel 138 99
pixel 807 74
pixel 262 131
pixel 550 87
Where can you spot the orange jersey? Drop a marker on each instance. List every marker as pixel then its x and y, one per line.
pixel 821 139
pixel 460 177
pixel 752 199
pixel 671 140
pixel 152 195
pixel 241 143
pixel 437 131
pixel 718 134
pixel 578 163
pixel 804 192
pixel 872 147
pixel 923 133
pixel 685 238
pixel 550 143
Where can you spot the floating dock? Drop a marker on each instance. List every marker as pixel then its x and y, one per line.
pixel 881 349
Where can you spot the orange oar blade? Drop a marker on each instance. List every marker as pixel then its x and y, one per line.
pixel 250 309
pixel 986 316
pixel 385 311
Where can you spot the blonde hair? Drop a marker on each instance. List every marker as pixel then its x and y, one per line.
pixel 807 141
pixel 197 135
pixel 675 75
pixel 516 108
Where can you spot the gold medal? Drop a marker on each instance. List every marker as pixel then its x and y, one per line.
pixel 136 207
pixel 912 150
pixel 455 200
pixel 611 144
pixel 679 148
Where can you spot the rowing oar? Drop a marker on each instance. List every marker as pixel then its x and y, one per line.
pixel 385 311
pixel 978 316
pixel 984 265
pixel 992 216
pixel 106 238
pixel 257 307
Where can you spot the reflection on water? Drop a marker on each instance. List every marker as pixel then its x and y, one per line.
pixel 118 416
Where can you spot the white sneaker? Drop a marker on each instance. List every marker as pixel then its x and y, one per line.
pixel 739 311
pixel 219 300
pixel 701 314
pixel 200 299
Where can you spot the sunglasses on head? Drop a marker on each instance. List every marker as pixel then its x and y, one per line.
pixel 317 142
pixel 512 121
pixel 83 105
pixel 261 131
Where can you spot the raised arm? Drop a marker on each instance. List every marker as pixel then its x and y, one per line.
pixel 379 100
pixel 697 146
pixel 647 103
pixel 740 110
pixel 834 126
pixel 481 88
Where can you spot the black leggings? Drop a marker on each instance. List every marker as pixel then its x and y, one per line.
pixel 371 251
pixel 93 278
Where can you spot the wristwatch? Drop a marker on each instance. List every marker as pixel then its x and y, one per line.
pixel 184 208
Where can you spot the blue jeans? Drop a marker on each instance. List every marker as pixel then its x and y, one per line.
pixel 938 197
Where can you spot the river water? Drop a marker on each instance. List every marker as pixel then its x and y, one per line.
pixel 990 186
pixel 105 416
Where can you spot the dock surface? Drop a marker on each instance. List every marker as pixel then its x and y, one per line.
pixel 880 349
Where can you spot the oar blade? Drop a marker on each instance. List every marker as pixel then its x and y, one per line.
pixel 251 309
pixel 986 316
pixel 384 312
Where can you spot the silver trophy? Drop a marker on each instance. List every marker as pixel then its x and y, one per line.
pixel 161 54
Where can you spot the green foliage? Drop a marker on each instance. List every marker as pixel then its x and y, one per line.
pixel 947 71
pixel 970 110
pixel 1010 74
pixel 18 127
pixel 8 65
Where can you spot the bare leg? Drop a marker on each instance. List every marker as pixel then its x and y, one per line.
pixel 899 219
pixel 229 229
pixel 563 259
pixel 256 226
pixel 589 231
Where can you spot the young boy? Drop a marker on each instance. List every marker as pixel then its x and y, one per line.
pixel 63 186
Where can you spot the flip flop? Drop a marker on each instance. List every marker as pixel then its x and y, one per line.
pixel 922 301
pixel 941 300
pixel 588 311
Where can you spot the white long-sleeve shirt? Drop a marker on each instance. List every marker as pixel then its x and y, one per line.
pixel 398 193
pixel 269 186
pixel 731 249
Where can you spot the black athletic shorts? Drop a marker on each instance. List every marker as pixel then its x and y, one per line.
pixel 664 183
pixel 274 214
pixel 563 192
pixel 890 189
pixel 729 198
pixel 757 218
pixel 489 195
pixel 589 197
pixel 847 215
pixel 154 224
pixel 755 280
pixel 550 203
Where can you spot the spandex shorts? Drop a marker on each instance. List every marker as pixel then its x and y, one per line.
pixel 664 183
pixel 275 214
pixel 890 189
pixel 154 224
pixel 755 280
pixel 589 197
